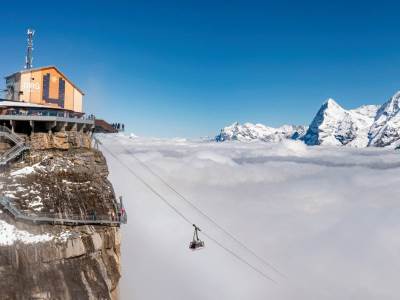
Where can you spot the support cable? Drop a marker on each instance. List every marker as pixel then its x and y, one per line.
pixel 161 197
pixel 212 220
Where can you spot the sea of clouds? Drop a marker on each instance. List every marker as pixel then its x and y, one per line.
pixel 325 217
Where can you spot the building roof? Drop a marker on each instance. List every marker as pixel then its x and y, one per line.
pixel 44 68
pixel 104 127
pixel 8 103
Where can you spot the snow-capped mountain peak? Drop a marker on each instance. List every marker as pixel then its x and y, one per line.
pixel 332 103
pixel 260 132
pixel 334 125
pixel 391 107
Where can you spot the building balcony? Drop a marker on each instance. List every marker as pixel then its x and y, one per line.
pixel 47 116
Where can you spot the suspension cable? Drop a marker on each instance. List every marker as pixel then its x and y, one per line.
pixel 237 256
pixel 178 212
pixel 205 215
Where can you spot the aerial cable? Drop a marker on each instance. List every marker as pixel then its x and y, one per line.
pixel 161 197
pixel 252 252
pixel 149 186
pixel 229 251
pixel 238 257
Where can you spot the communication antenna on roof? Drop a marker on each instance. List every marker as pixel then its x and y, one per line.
pixel 29 50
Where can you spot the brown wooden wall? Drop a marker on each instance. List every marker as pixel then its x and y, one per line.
pixel 49 87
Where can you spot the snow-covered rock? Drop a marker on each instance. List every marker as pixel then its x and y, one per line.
pixel 385 130
pixel 260 132
pixel 334 125
pixel 364 117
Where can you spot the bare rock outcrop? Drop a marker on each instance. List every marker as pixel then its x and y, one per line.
pixel 49 261
pixel 59 140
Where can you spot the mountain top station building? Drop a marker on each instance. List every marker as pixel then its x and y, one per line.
pixel 43 100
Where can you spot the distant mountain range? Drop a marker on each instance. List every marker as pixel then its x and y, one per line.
pixel 249 131
pixel 366 126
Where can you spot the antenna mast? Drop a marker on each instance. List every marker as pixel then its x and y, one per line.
pixel 29 50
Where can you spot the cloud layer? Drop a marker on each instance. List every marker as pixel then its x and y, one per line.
pixel 328 218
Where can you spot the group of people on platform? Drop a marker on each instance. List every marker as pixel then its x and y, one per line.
pixel 118 126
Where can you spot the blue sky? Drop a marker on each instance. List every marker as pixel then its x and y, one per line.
pixel 188 68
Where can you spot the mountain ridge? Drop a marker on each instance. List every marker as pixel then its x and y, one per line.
pixel 249 131
pixel 365 126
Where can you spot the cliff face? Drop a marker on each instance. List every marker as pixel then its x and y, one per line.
pixel 59 140
pixel 83 266
pixel 50 261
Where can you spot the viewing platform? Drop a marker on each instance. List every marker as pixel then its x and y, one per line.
pixel 47 116
pixel 27 118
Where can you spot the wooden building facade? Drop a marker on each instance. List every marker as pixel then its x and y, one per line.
pixel 44 86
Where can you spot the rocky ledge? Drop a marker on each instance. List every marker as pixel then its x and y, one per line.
pixel 55 261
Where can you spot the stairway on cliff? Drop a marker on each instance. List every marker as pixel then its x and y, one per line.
pixel 18 147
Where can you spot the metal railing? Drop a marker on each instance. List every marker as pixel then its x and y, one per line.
pixel 6 132
pixel 18 148
pixel 12 153
pixel 56 219
pixel 48 113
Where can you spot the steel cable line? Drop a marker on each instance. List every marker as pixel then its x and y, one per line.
pixel 326 293
pixel 237 256
pixel 148 186
pixel 161 197
pixel 252 252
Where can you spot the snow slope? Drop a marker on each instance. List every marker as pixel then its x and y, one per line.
pixel 248 132
pixel 326 217
pixel 385 130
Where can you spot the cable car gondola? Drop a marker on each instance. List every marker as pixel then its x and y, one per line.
pixel 196 243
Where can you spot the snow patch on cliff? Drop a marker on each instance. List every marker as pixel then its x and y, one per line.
pixel 27 170
pixel 9 235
